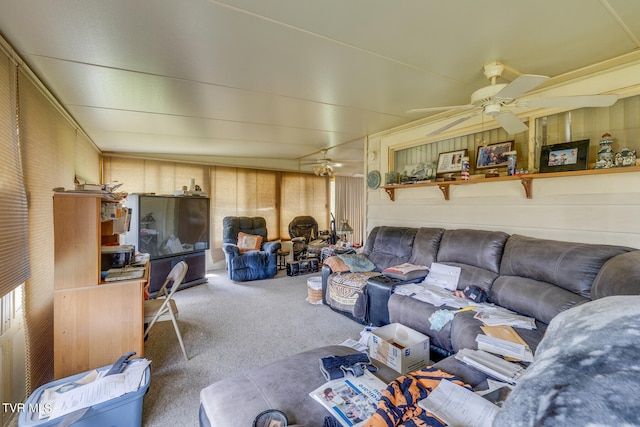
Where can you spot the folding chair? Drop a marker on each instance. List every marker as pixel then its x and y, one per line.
pixel 163 307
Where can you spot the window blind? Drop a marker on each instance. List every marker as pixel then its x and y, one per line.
pixel 49 144
pixel 14 254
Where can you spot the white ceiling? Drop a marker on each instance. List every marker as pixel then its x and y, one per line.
pixel 270 83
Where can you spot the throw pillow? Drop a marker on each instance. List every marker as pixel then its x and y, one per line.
pixel 406 271
pixel 249 242
pixel 336 264
pixel 357 263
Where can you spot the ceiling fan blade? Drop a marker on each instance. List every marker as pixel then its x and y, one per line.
pixel 453 123
pixel 510 122
pixel 450 107
pixel 520 85
pixel 570 101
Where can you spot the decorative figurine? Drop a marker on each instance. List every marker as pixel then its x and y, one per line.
pixel 465 168
pixel 625 158
pixel 605 154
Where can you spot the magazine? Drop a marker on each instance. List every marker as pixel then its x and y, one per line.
pixel 351 400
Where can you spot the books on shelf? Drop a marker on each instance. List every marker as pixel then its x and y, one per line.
pixel 127 273
pixel 351 400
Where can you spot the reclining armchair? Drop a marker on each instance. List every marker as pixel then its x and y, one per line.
pixel 248 255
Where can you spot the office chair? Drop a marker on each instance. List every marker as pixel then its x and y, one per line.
pixel 163 307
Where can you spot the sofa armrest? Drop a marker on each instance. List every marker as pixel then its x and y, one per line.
pixel 271 247
pixel 231 249
pixel 326 272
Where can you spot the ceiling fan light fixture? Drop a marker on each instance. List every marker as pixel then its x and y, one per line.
pixel 492 109
pixel 323 170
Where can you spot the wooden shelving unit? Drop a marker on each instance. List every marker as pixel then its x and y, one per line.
pixel 94 322
pixel 525 180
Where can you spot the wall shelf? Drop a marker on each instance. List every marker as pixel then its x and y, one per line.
pixel 525 180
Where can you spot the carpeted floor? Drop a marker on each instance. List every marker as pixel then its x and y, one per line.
pixel 227 328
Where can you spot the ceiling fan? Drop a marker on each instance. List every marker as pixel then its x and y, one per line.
pixel 323 166
pixel 496 100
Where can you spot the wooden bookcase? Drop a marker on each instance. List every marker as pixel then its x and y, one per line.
pixel 94 322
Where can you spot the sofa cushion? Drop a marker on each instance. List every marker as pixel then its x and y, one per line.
pixel 585 370
pixel 387 246
pixel 572 266
pixel 479 248
pixel 464 329
pixel 540 300
pixel 415 315
pixel 620 275
pixel 425 246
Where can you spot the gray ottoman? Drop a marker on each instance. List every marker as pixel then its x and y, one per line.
pixel 284 385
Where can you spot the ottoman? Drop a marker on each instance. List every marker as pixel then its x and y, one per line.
pixel 284 385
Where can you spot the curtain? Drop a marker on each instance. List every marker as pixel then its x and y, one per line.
pixel 350 205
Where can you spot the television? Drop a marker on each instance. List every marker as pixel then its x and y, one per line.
pixel 166 226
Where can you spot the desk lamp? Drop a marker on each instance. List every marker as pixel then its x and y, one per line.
pixel 344 230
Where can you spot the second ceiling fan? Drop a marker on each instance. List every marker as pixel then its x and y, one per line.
pixel 496 100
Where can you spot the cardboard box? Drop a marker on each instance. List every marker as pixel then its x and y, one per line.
pixel 399 347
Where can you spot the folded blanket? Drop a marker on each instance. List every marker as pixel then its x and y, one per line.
pixel 399 403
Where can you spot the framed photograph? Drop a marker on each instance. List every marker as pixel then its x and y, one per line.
pixel 566 156
pixel 450 162
pixel 493 155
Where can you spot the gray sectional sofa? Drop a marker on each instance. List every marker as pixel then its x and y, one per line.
pixel 538 278
pixel 535 277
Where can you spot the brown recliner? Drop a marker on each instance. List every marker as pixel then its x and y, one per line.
pixel 302 230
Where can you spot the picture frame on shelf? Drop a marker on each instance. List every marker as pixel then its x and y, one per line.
pixel 565 156
pixel 450 162
pixel 493 156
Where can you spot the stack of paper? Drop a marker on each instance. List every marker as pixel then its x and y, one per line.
pixel 444 276
pixel 491 365
pixel 126 273
pixel 504 347
pixel 494 316
pixel 433 294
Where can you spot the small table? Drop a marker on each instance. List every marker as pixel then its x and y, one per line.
pixel 282 259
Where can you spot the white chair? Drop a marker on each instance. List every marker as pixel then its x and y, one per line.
pixel 163 307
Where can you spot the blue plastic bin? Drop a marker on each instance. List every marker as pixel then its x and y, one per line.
pixel 123 411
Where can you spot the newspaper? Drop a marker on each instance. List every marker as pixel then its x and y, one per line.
pixel 351 400
pixel 459 406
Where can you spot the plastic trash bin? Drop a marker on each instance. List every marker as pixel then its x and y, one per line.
pixel 125 410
